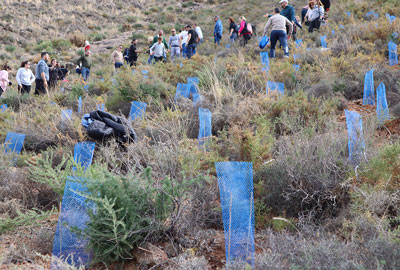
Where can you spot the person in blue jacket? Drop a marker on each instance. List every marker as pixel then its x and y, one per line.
pixel 217 30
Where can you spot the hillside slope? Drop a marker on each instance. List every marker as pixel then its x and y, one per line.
pixel 159 201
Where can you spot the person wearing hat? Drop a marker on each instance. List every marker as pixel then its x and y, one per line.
pixel 217 30
pixel 288 12
pixel 278 23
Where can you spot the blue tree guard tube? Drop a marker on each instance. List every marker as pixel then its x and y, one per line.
pixel 299 43
pixel 382 109
pixel 138 110
pixel 182 90
pixel 3 107
pixel 275 87
pixel 145 74
pixel 66 115
pixel 205 126
pixel 101 107
pixel 86 87
pixel 14 142
pixel 296 67
pixel 348 13
pixel 83 153
pixel 235 181
pixel 333 32
pixel 356 138
pixel 264 61
pixel 196 98
pixel 194 85
pixel 323 42
pixel 390 18
pixel 393 57
pixel 369 90
pixel 68 246
pixel 80 105
pixel 341 26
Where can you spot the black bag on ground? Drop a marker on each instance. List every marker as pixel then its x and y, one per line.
pixel 105 125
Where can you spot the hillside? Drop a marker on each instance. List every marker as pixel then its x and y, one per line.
pixel 311 193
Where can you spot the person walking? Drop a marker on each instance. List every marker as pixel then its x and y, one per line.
pixel 4 81
pixel 25 78
pixel 199 33
pixel 314 16
pixel 183 35
pixel 133 53
pixel 158 50
pixel 289 12
pixel 117 58
pixel 155 40
pixel 54 73
pixel 233 30
pixel 42 75
pixel 85 62
pixel 278 24
pixel 175 45
pixel 217 30
pixel 244 32
pixel 192 41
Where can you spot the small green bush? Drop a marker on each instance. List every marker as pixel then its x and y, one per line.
pixel 10 48
pixel 61 44
pixel 44 45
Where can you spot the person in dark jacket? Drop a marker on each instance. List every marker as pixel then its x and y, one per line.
pixel 327 5
pixel 233 30
pixel 133 53
pixel 289 12
pixel 54 73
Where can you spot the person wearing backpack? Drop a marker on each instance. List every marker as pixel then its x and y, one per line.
pixel 233 30
pixel 192 41
pixel 278 23
pixel 245 30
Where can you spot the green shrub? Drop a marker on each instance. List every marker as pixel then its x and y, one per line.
pixel 129 210
pixel 96 36
pixel 131 19
pixel 61 44
pixel 152 27
pixel 138 26
pixel 44 45
pixel 10 48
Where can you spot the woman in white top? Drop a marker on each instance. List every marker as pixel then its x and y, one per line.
pixel 184 37
pixel 314 15
pixel 25 77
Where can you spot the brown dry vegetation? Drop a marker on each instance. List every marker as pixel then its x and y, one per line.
pixel 330 214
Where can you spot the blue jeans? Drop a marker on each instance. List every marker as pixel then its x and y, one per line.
pixel 118 64
pixel 233 37
pixel 85 73
pixel 191 48
pixel 217 38
pixel 282 37
pixel 184 50
pixel 150 60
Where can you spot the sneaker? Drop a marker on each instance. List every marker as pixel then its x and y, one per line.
pixel 286 56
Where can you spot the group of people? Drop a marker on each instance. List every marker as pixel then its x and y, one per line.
pixel 46 76
pixel 281 25
pixel 179 45
pixel 284 23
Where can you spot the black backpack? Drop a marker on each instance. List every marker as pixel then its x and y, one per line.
pixel 126 53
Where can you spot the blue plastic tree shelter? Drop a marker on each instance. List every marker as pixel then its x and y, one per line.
pixel 14 142
pixel 356 138
pixel 235 180
pixel 205 125
pixel 182 90
pixel 275 87
pixel 138 110
pixel 369 90
pixel 68 246
pixel 382 109
pixel 83 153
